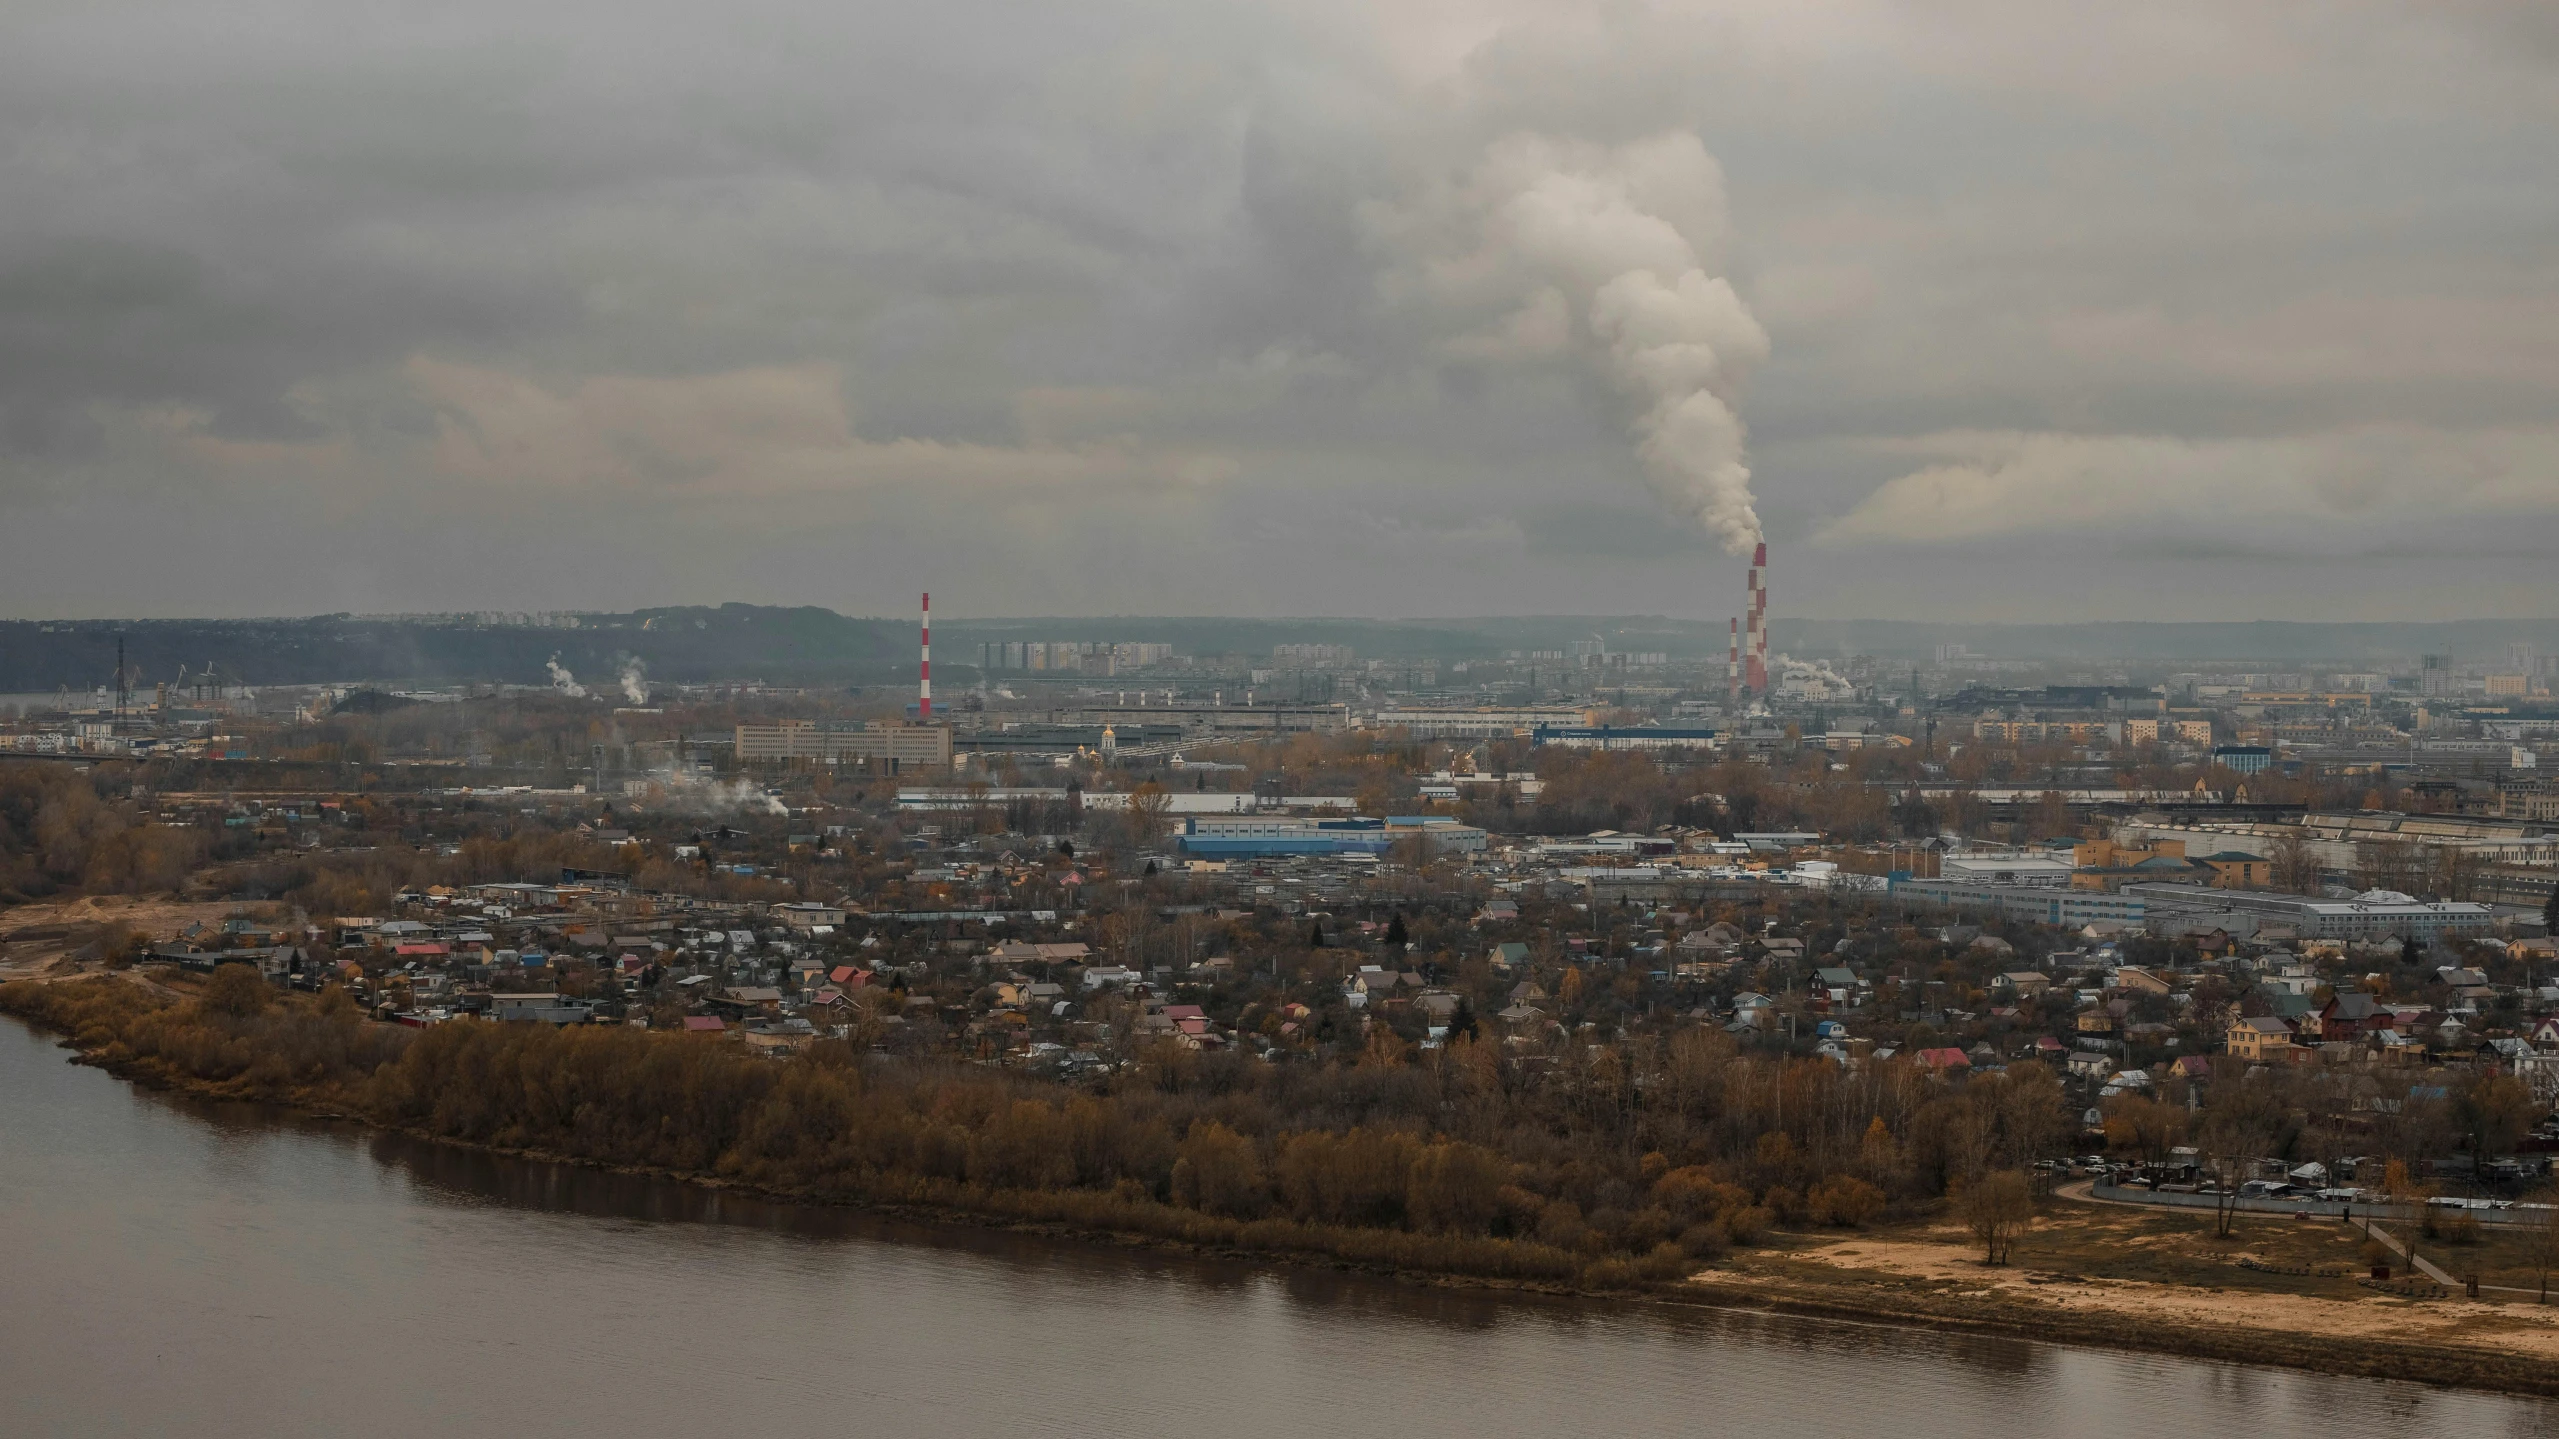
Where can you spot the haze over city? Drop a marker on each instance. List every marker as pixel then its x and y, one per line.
pixel 2007 311
pixel 1245 718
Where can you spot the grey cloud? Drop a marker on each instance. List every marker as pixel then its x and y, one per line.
pixel 1608 532
pixel 1121 247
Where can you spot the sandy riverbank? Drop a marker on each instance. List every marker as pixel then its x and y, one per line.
pixel 61 939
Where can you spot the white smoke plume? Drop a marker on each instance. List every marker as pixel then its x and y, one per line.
pixel 635 682
pixel 686 791
pixel 563 681
pixel 1549 249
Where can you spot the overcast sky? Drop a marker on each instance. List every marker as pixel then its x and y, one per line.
pixel 2029 310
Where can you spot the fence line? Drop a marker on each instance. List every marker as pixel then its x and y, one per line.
pixel 2298 1204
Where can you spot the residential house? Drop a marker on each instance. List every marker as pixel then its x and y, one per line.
pixel 2259 1038
pixel 1840 986
pixel 1014 951
pixel 2351 1016
pixel 2089 1064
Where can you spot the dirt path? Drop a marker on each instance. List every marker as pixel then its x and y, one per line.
pixel 2424 1265
pixel 58 939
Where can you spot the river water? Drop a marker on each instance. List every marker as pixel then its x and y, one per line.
pixel 173 1267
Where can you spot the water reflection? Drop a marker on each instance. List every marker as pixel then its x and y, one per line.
pixel 446 1174
pixel 178 1266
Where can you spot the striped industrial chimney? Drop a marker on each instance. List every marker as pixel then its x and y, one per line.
pixel 924 677
pixel 1733 665
pixel 1755 676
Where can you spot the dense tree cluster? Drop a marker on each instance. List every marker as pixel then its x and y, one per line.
pixel 1632 1163
pixel 61 830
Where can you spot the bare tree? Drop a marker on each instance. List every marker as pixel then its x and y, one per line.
pixel 2236 1131
pixel 2295 868
pixel 1150 808
pixel 1997 1208
pixel 2393 864
pixel 2454 873
pixel 2541 1241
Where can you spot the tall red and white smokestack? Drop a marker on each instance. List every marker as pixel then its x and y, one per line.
pixel 1733 664
pixel 924 677
pixel 1755 672
pixel 1761 554
pixel 1761 662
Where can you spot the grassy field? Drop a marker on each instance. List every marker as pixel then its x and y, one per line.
pixel 2179 1248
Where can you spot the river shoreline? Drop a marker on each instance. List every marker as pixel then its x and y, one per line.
pixel 1852 1299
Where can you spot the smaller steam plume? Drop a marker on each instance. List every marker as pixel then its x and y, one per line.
pixel 689 791
pixel 635 682
pixel 563 681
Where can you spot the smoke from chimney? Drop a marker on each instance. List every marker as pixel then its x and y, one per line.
pixel 1552 249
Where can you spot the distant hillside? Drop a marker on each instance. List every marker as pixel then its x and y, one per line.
pixel 2269 641
pixel 2245 640
pixel 689 644
pixel 1438 639
pixel 810 645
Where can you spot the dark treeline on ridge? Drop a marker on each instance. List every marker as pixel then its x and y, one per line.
pixel 689 644
pixel 698 644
